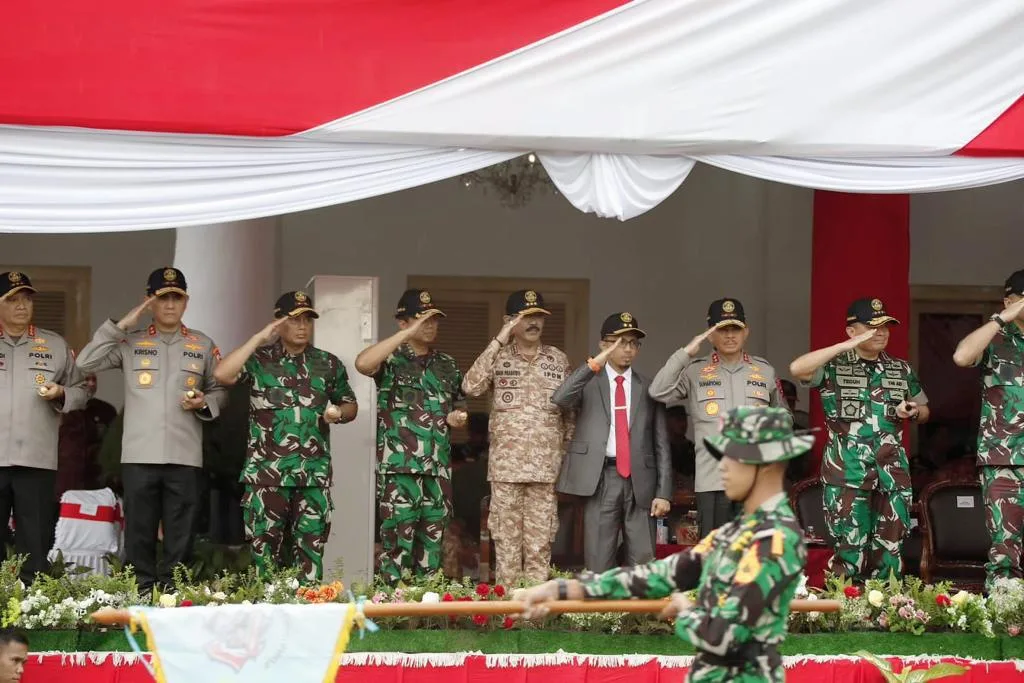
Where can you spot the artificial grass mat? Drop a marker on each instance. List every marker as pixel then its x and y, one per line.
pixel 539 641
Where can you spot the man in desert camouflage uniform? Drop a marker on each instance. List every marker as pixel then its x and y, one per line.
pixel 528 434
pixel 419 397
pixel 745 572
pixel 866 396
pixel 296 391
pixel 710 386
pixel 998 347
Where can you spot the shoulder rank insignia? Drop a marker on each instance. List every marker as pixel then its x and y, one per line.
pixel 778 542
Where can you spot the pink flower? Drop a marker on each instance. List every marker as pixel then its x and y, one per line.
pixel 378 597
pixel 906 612
pixel 883 620
pixel 1013 630
pixel 921 616
pixel 894 600
pixel 398 595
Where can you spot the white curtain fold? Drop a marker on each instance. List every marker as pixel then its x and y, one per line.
pixel 66 180
pixel 616 185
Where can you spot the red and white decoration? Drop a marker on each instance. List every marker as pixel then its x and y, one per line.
pixel 90 527
pixel 564 668
pixel 182 112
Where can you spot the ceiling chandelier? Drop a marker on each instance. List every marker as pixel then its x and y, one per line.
pixel 514 181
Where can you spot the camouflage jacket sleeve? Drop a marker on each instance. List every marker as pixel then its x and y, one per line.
pixel 914 389
pixel 656 579
pixel 341 390
pixel 459 396
pixel 251 367
pixel 767 570
pixel 820 377
pixel 481 375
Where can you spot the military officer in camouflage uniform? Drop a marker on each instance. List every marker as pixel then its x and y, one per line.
pixel 710 386
pixel 169 392
pixel 38 383
pixel 867 396
pixel 296 390
pixel 998 348
pixel 527 435
pixel 745 572
pixel 419 398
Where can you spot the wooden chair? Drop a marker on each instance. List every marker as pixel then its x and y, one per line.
pixel 956 540
pixel 807 501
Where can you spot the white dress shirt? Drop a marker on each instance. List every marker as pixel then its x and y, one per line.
pixel 627 385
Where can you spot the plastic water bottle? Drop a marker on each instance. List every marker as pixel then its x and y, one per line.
pixel 662 533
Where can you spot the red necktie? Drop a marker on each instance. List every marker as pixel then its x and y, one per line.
pixel 621 428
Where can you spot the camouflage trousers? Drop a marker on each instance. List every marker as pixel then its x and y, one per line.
pixel 288 525
pixel 759 671
pixel 869 527
pixel 1003 491
pixel 523 520
pixel 414 511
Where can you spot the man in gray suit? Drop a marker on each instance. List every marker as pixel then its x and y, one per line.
pixel 619 457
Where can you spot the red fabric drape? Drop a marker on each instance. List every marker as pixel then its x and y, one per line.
pixel 860 248
pixel 475 670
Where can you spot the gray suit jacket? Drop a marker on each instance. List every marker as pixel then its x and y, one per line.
pixel 650 453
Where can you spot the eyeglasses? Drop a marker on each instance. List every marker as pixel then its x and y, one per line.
pixel 627 343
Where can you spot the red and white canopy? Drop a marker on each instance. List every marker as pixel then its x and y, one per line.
pixel 133 114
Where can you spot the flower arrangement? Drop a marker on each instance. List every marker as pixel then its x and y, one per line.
pixel 64 601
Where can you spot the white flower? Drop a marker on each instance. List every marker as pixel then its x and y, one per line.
pixel 430 596
pixel 960 598
pixel 801 588
pixel 167 600
pixel 219 595
pixel 875 598
pixel 813 615
pixel 293 583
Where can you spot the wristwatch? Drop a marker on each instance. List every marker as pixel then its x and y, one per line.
pixel 998 320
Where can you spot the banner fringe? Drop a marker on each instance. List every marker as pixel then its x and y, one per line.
pixel 511 661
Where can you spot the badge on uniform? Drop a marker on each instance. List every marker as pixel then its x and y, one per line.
pixel 711 393
pixel 40 379
pixel 191 382
pixel 145 362
pixel 711 408
pixel 145 379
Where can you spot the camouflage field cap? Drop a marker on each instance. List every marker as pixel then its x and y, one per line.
pixel 758 436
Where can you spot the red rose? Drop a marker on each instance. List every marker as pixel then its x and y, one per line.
pixel 483 590
pixel 851 592
pixel 508 623
pixel 479 619
pixel 186 603
pixel 464 598
pixel 499 590
pixel 447 597
pixel 943 601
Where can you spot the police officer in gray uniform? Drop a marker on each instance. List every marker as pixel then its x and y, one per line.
pixel 38 382
pixel 169 391
pixel 711 386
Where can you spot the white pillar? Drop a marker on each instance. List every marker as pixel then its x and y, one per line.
pixel 233 273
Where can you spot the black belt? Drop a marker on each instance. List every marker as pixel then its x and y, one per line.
pixel 609 462
pixel 744 655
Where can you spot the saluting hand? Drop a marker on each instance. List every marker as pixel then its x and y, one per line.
pixel 1013 311
pixel 854 342
pixel 51 391
pixel 693 348
pixel 506 329
pixel 193 400
pixel 131 319
pixel 602 357
pixel 268 333
pixel 418 322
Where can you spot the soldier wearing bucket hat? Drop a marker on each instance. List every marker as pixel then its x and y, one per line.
pixel 419 400
pixel 711 385
pixel 867 396
pixel 997 348
pixel 746 572
pixel 288 479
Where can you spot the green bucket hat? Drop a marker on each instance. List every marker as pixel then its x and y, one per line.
pixel 758 436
